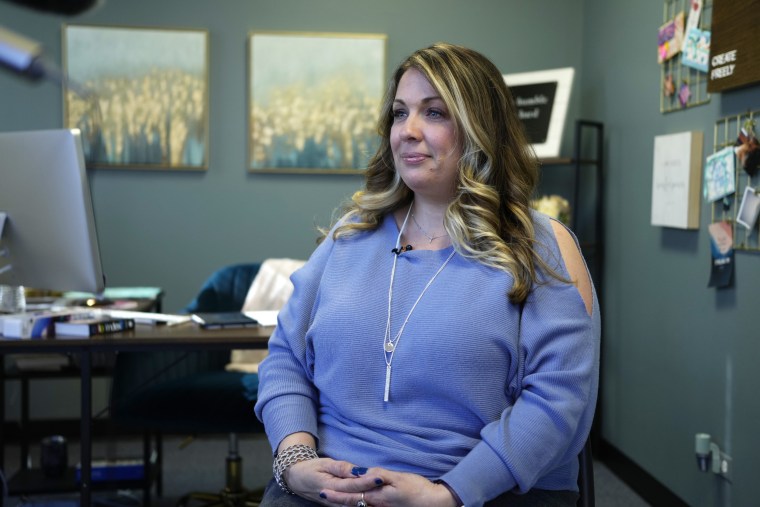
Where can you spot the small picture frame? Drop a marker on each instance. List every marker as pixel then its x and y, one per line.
pixel 719 178
pixel 696 49
pixel 542 99
pixel 670 38
pixel 749 208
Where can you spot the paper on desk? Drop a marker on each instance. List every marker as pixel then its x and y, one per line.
pixel 265 317
pixel 168 319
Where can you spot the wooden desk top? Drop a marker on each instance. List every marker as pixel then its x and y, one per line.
pixel 182 336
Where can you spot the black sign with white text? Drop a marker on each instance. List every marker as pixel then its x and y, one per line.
pixel 534 105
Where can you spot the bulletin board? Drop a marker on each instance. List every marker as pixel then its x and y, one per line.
pixel 733 208
pixel 682 86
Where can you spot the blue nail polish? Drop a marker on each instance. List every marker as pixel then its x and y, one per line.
pixel 322 495
pixel 379 482
pixel 359 470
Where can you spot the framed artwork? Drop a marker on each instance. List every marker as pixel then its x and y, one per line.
pixel 139 95
pixel 542 99
pixel 313 101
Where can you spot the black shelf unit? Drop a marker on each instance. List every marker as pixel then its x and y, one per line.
pixel 584 171
pixel 585 191
pixel 32 481
pixel 82 364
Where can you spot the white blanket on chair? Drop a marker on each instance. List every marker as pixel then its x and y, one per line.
pixel 269 290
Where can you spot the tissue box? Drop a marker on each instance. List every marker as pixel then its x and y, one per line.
pixel 36 324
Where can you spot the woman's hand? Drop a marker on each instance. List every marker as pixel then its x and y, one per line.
pixel 330 482
pixel 384 488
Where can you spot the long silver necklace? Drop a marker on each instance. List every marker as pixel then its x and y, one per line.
pixel 391 343
pixel 423 231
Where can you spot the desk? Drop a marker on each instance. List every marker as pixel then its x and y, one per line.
pixel 181 337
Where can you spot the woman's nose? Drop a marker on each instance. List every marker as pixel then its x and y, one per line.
pixel 411 129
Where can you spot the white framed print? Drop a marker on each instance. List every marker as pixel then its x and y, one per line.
pixel 542 98
pixel 676 180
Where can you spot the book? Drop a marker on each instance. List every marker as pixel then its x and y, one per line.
pixel 130 469
pixel 220 320
pixel 91 327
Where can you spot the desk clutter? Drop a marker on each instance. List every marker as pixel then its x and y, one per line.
pixel 157 385
pixel 77 322
pixel 46 314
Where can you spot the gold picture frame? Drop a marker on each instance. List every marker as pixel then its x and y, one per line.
pixel 139 95
pixel 313 101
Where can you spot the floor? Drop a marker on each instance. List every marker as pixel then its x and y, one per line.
pixel 199 466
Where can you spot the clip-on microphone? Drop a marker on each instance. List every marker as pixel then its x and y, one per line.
pixel 401 249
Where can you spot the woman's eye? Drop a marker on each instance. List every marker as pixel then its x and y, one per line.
pixel 399 113
pixel 435 113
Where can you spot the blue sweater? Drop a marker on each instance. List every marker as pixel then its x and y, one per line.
pixel 486 395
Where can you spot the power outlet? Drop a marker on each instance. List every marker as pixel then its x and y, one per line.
pixel 724 466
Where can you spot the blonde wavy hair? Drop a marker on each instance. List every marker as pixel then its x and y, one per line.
pixel 489 219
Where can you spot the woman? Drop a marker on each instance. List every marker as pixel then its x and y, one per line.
pixel 441 345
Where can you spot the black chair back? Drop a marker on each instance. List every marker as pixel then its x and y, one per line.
pixel 586 476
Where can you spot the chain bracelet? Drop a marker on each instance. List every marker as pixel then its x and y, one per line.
pixel 289 457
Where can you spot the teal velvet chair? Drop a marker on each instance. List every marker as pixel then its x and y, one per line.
pixel 190 393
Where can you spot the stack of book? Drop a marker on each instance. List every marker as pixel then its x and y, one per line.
pixel 93 326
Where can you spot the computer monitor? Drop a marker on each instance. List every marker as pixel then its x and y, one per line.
pixel 48 240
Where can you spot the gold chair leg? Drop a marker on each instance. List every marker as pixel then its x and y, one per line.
pixel 233 494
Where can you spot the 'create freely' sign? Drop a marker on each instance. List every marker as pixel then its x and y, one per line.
pixel 734 49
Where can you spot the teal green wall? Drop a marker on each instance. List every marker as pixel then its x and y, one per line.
pixel 679 358
pixel 172 230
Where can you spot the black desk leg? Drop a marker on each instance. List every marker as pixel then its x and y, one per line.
pixel 2 425
pixel 24 454
pixel 85 365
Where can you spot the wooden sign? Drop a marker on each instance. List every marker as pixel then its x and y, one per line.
pixel 735 48
pixel 676 180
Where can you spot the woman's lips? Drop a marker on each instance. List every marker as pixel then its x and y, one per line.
pixel 413 158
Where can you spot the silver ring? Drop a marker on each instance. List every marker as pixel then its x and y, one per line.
pixel 361 503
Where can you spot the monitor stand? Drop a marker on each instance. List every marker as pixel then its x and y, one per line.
pixel 93 302
pixel 3 252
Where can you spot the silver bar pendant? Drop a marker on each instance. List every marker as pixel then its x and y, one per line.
pixel 387 382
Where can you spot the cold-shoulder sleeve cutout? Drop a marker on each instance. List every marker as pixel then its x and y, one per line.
pixel 574 263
